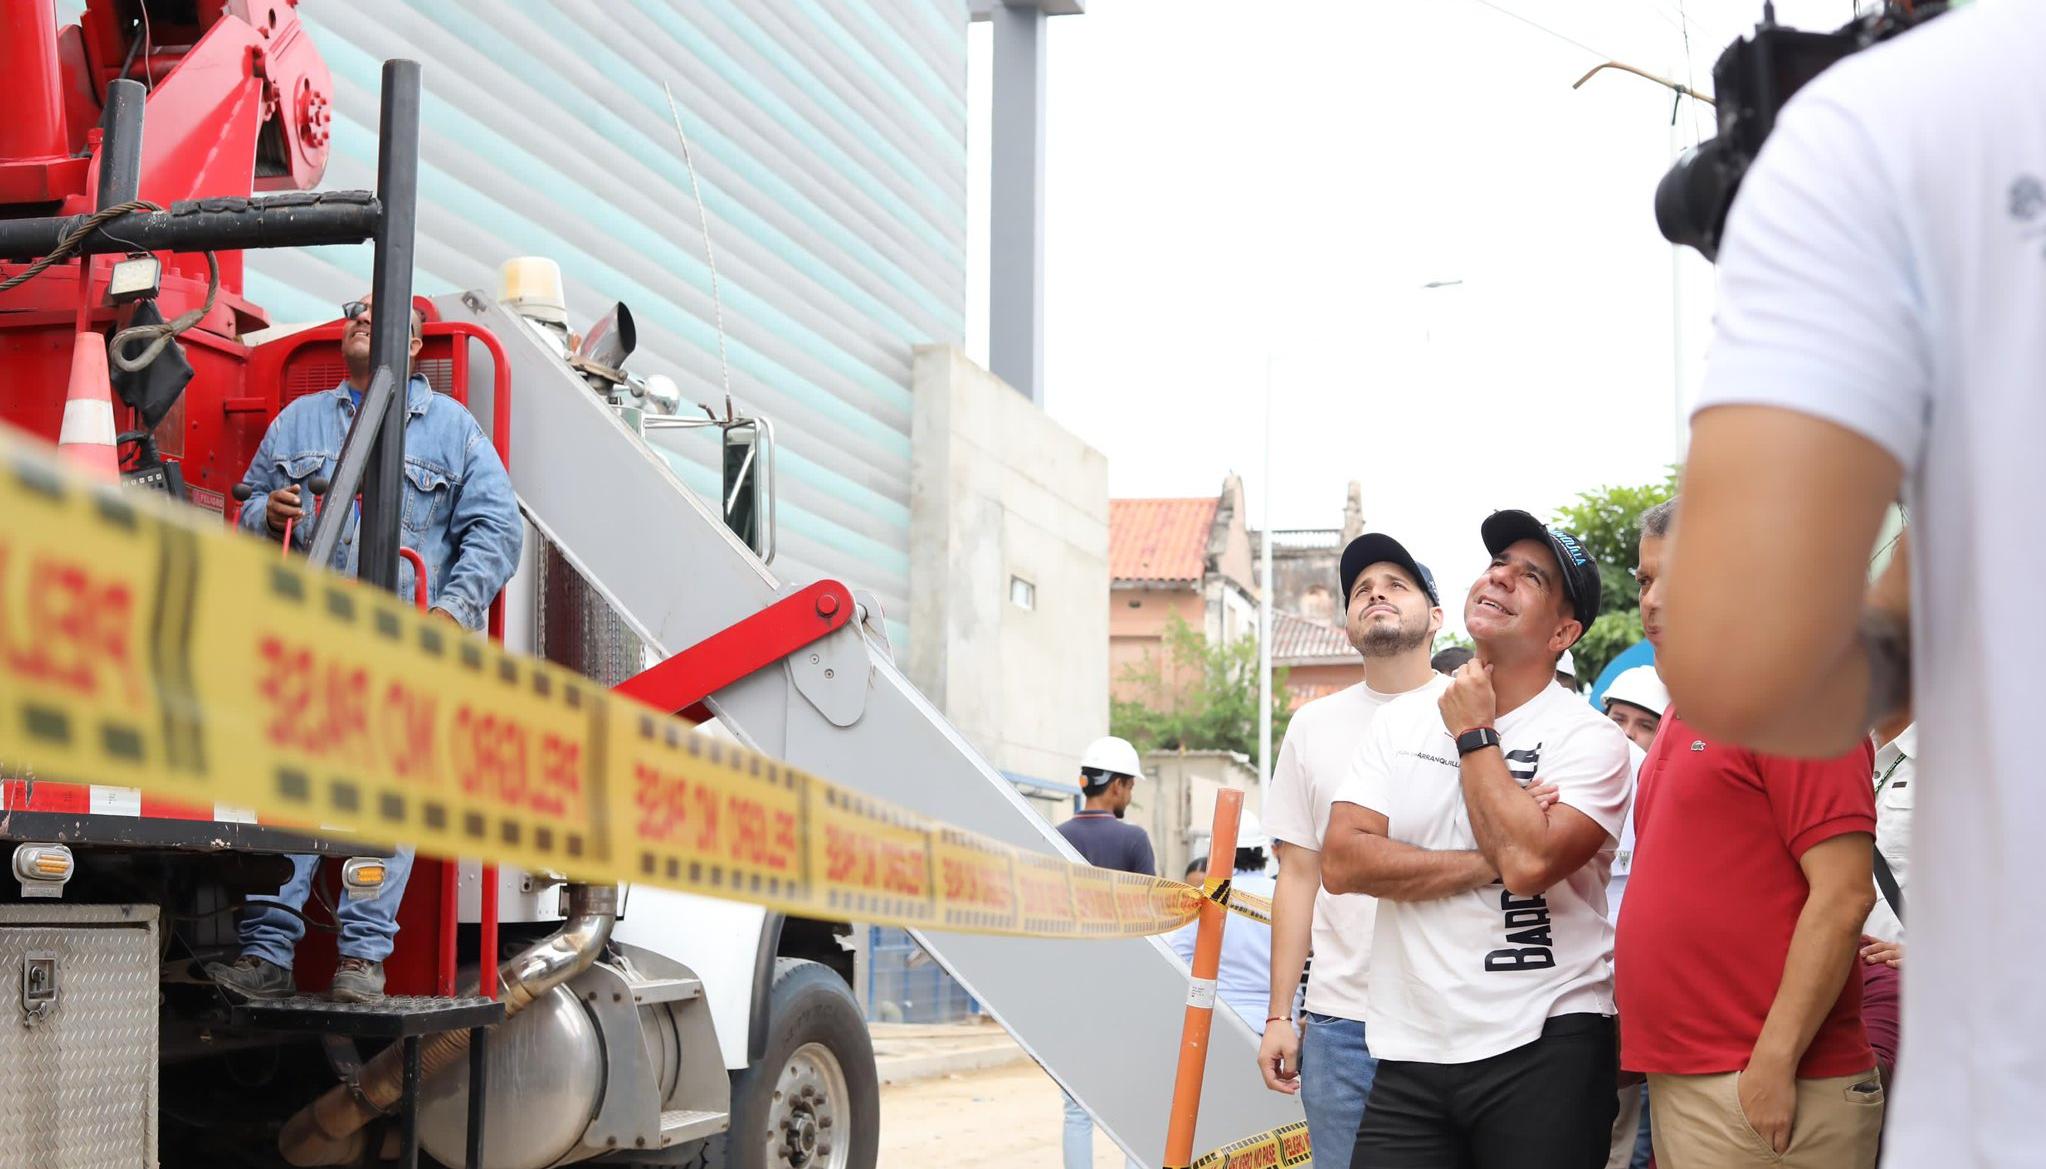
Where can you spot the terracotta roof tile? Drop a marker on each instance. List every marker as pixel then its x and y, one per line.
pixel 1300 695
pixel 1295 638
pixel 1159 539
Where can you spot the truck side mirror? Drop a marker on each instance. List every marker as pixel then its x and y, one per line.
pixel 749 484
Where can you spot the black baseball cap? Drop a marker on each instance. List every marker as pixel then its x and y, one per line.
pixel 1375 548
pixel 1502 529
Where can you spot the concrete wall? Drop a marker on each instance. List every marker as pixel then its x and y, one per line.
pixel 1229 550
pixel 1137 619
pixel 1232 582
pixel 1304 582
pixel 1176 801
pixel 1232 612
pixel 998 491
pixel 1324 672
pixel 1305 563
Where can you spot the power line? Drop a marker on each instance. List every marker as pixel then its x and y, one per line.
pixel 1690 69
pixel 1543 28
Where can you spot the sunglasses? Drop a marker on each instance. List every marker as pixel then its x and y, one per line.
pixel 356 310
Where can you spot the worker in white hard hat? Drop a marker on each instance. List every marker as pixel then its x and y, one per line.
pixel 1244 978
pixel 1635 701
pixel 1566 671
pixel 1109 771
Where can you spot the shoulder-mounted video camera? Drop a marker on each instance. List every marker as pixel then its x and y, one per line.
pixel 1752 79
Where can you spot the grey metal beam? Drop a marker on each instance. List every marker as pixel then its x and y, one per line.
pixel 977 10
pixel 1112 1051
pixel 1016 203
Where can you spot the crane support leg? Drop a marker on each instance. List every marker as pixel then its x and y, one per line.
pixel 682 682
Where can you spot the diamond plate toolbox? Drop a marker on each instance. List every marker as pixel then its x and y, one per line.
pixel 78 1036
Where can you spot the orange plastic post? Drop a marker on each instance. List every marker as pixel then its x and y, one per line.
pixel 1200 996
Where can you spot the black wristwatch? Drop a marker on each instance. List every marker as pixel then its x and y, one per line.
pixel 1476 740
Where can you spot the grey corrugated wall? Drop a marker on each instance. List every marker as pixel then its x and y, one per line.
pixel 829 138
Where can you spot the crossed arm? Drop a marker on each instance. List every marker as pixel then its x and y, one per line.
pixel 1358 857
pixel 1531 847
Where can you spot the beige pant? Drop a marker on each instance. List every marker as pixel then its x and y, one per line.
pixel 1699 1124
pixel 1626 1127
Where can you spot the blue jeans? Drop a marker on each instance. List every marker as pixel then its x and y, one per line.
pixel 1336 1071
pixel 367 926
pixel 1079 1138
pixel 1644 1147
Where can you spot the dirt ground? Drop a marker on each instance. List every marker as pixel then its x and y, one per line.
pixel 1000 1118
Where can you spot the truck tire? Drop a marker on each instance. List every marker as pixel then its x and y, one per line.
pixel 814 1100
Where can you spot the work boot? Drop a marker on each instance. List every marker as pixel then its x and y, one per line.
pixel 357 980
pixel 251 979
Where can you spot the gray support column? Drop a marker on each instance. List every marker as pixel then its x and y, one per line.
pixel 1016 201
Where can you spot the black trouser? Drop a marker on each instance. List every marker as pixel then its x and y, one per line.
pixel 1547 1105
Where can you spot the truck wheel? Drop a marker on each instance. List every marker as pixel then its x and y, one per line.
pixel 814 1101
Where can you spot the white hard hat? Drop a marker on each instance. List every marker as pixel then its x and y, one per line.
pixel 1250 831
pixel 1566 664
pixel 1109 753
pixel 1640 686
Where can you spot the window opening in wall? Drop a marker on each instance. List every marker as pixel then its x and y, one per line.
pixel 1022 593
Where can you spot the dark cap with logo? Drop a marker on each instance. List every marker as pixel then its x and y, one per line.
pixel 1502 529
pixel 1378 548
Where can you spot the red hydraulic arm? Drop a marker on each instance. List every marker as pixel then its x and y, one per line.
pixel 682 682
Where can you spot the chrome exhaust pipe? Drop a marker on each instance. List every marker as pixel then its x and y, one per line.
pixel 330 1130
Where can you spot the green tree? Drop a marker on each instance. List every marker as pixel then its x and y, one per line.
pixel 1197 697
pixel 1605 521
pixel 1448 638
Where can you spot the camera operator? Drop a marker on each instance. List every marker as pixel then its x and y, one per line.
pixel 1882 325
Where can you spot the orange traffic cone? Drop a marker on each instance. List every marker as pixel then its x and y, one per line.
pixel 87 437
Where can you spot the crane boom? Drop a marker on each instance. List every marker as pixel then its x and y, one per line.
pixel 676 575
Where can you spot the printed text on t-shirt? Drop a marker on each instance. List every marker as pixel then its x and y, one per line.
pixel 1527 934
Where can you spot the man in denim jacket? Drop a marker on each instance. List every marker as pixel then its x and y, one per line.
pixel 462 518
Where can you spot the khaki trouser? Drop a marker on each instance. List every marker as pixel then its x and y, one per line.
pixel 1626 1127
pixel 1699 1124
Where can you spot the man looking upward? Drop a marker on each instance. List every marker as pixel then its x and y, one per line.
pixel 1490 1003
pixel 1394 614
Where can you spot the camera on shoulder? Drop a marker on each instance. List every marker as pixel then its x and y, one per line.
pixel 1752 79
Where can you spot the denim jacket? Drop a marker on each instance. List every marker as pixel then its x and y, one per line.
pixel 460 513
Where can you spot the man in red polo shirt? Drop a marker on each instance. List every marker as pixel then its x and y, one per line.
pixel 1737 940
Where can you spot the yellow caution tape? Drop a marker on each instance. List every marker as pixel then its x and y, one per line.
pixel 142 647
pixel 1237 901
pixel 1285 1147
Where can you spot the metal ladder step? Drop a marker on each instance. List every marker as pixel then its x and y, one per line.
pixel 666 990
pixel 680 1125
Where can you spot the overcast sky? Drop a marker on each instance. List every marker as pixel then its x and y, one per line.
pixel 1228 182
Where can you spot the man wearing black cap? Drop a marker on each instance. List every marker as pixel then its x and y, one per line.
pixel 1393 615
pixel 1491 998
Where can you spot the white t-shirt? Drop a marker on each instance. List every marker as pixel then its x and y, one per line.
pixel 1884 269
pixel 1896 773
pixel 1476 974
pixel 1314 760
